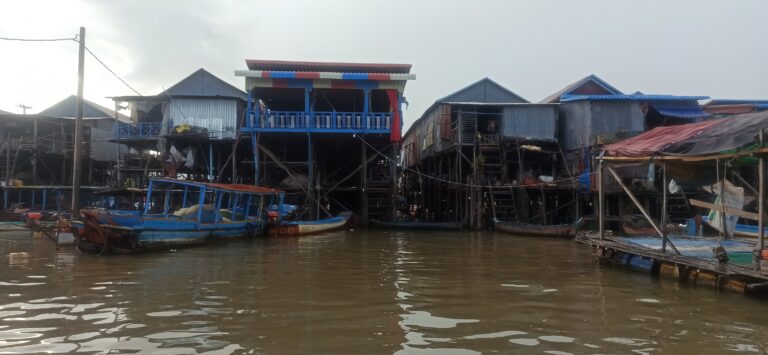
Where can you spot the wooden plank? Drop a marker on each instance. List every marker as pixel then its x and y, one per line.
pixel 729 210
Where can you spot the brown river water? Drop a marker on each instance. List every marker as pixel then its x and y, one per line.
pixel 361 292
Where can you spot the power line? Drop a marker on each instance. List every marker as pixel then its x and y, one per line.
pixel 37 39
pixel 111 71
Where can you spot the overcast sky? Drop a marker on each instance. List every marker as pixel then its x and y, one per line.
pixel 534 48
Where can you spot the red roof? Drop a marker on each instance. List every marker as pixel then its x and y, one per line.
pixel 653 141
pixel 284 65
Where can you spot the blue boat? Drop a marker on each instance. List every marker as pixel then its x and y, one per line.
pixel 178 213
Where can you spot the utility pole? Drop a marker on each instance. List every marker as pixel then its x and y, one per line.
pixel 24 109
pixel 78 141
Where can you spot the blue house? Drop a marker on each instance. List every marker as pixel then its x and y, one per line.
pixel 190 128
pixel 326 132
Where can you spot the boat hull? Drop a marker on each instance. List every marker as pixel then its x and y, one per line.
pixel 297 228
pixel 522 229
pixel 141 234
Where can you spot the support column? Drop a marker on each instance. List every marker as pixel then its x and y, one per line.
pixel 210 162
pixel 117 146
pixel 34 151
pixel 601 199
pixel 664 206
pixel 364 182
pixel 761 193
pixel 78 139
pixel 311 178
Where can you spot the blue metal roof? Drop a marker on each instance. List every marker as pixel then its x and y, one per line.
pixel 737 102
pixel 685 110
pixel 566 98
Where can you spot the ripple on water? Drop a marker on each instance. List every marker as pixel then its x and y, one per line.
pixel 165 314
pixel 648 300
pixel 503 334
pixel 556 339
pixel 629 341
pixel 515 285
pixel 427 320
pixel 524 341
pixel 16 283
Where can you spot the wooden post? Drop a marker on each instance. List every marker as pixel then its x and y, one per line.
pixel 664 206
pixel 761 192
pixel 8 157
pixel 364 182
pixel 117 153
pixel 601 199
pixel 723 217
pixel 34 151
pixel 395 192
pixel 78 140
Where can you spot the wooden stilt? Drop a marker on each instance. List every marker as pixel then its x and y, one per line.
pixel 664 206
pixel 761 192
pixel 601 199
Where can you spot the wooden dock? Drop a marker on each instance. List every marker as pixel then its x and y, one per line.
pixel 698 271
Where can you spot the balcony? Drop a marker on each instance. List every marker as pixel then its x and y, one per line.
pixel 328 122
pixel 143 130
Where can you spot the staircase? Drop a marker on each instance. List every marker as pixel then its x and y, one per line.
pixel 468 130
pixel 504 205
pixel 492 160
pixel 379 181
pixel 678 208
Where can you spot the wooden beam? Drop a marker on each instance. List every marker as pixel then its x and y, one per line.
pixel 761 193
pixel 729 210
pixel 640 207
pixel 280 164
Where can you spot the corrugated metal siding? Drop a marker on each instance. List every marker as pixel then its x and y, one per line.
pixel 575 124
pixel 610 117
pixel 219 116
pixel 101 148
pixel 531 122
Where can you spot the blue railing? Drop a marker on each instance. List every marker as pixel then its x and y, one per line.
pixel 139 130
pixel 295 121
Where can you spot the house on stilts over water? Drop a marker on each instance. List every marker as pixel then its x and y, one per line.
pixel 326 133
pixel 485 152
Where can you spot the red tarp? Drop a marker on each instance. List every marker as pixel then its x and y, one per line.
pixel 396 122
pixel 653 141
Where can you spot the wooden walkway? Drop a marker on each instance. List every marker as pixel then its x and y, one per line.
pixel 750 280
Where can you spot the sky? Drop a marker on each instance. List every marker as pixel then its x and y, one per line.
pixel 534 48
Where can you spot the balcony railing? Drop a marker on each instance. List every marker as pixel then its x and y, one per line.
pixel 294 121
pixel 142 130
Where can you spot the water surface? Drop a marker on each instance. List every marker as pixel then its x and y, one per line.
pixel 376 292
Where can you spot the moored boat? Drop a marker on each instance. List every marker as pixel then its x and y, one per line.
pixel 296 228
pixel 417 225
pixel 222 211
pixel 552 230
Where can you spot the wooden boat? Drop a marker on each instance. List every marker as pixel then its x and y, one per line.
pixel 296 228
pixel 417 225
pixel 637 231
pixel 223 211
pixel 552 230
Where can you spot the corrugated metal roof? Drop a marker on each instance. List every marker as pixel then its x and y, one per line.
pixel 566 98
pixel 484 90
pixel 203 83
pixel 736 102
pixel 574 86
pixel 680 109
pixel 67 108
pixel 284 65
pixel 653 141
